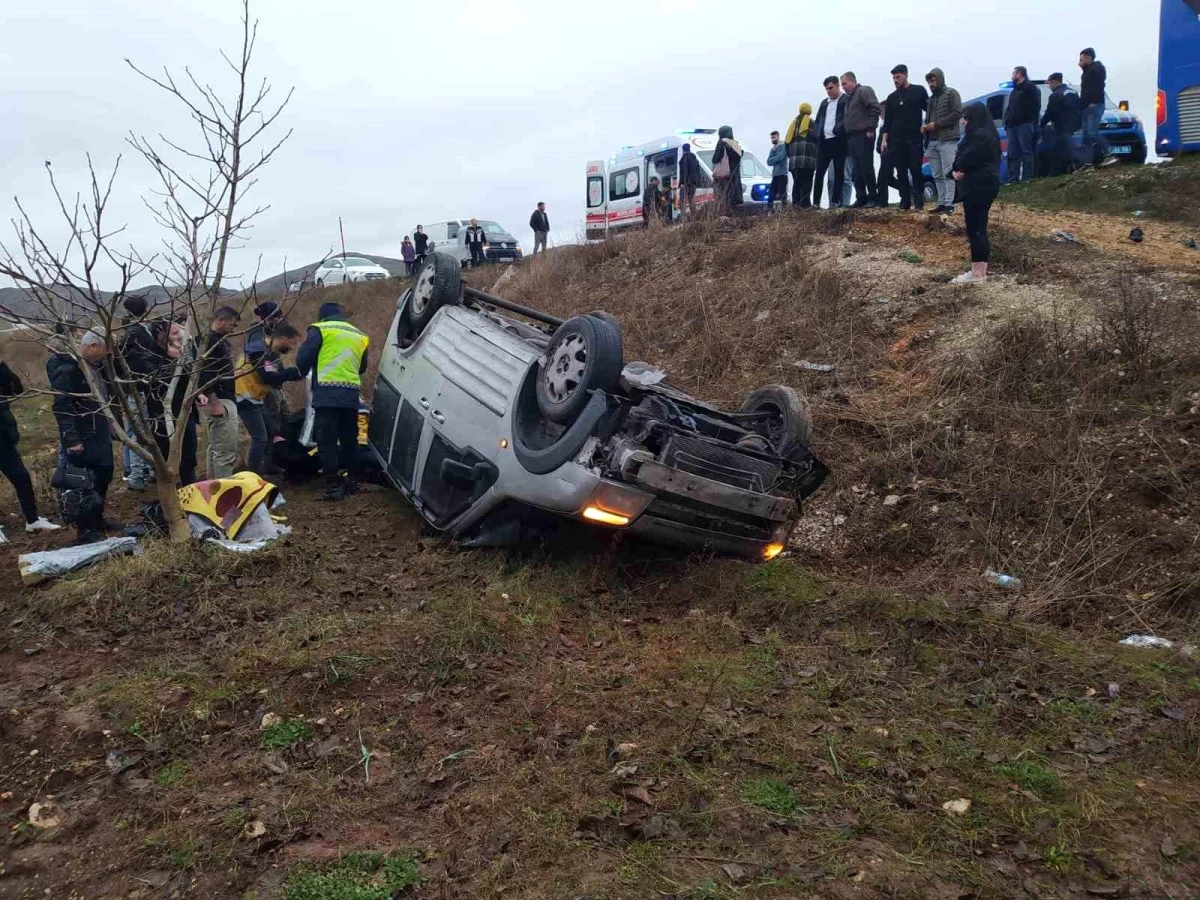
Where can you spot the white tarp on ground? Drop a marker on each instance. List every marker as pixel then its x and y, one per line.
pixel 37 567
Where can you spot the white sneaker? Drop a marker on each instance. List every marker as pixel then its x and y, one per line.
pixel 968 278
pixel 41 524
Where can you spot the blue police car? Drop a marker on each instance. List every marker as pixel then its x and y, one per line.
pixel 1122 129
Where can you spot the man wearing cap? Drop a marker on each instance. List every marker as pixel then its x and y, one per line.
pixel 84 432
pixel 1059 123
pixel 334 356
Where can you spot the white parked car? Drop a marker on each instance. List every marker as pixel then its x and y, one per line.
pixel 338 270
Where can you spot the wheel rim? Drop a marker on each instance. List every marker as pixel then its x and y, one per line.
pixel 564 373
pixel 422 291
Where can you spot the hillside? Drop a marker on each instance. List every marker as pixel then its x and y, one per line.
pixel 865 717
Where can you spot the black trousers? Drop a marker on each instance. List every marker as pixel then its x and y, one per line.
pixel 905 157
pixel 778 189
pixel 862 149
pixel 14 470
pixel 802 183
pixel 975 211
pixel 478 257
pixel 830 150
pixel 336 431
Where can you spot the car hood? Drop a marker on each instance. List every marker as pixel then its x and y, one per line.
pixel 505 238
pixel 1119 117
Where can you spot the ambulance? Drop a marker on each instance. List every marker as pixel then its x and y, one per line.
pixel 615 185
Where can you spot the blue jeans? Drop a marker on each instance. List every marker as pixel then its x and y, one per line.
pixel 1020 153
pixel 1093 140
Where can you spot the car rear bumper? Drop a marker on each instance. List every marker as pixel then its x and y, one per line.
pixel 665 531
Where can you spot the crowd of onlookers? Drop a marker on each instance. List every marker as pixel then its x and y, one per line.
pixel 148 356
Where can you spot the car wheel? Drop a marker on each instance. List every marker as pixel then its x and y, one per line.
pixel 584 355
pixel 321 282
pixel 786 420
pixel 616 325
pixel 930 190
pixel 438 284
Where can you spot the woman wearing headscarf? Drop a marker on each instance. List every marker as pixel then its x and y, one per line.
pixel 727 171
pixel 977 170
pixel 802 157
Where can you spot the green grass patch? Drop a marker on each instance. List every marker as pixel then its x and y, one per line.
pixel 1031 776
pixel 772 795
pixel 284 734
pixel 172 773
pixel 783 578
pixel 357 876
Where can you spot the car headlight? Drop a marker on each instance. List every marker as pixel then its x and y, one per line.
pixel 518 246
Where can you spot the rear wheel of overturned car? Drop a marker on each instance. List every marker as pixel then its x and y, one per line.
pixel 784 418
pixel 584 355
pixel 438 284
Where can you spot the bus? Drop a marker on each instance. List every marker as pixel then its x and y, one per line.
pixel 1178 105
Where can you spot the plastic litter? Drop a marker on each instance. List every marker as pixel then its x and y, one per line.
pixel 1146 641
pixel 1065 237
pixel 1191 244
pixel 1137 213
pixel 643 375
pixel 762 315
pixel 1004 581
pixel 816 367
pixel 3 539
pixel 39 567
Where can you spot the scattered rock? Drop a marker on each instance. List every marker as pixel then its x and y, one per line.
pixel 735 873
pixel 1114 690
pixel 959 807
pixel 254 829
pixel 891 499
pixel 1167 848
pixel 274 764
pixel 625 750
pixel 45 815
pixel 883 300
pixel 761 316
pixel 268 720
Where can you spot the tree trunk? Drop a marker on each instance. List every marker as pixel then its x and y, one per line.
pixel 178 530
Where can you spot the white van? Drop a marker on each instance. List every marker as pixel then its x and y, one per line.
pixel 451 237
pixel 615 186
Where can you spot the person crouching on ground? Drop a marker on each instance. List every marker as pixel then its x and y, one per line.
pixel 256 375
pixel 84 432
pixel 977 170
pixel 335 354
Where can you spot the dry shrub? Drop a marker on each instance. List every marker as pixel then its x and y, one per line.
pixel 25 356
pixel 1142 321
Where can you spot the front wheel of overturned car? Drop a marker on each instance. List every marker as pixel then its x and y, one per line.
pixel 438 284
pixel 785 420
pixel 584 355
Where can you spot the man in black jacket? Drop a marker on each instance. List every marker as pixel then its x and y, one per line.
pixel 421 244
pixel 902 144
pixel 141 349
pixel 1091 98
pixel 830 132
pixel 540 223
pixel 1020 121
pixel 11 464
pixel 862 121
pixel 476 243
pixel 85 436
pixel 1059 123
pixel 689 180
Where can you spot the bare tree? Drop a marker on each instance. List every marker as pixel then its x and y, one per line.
pixel 199 203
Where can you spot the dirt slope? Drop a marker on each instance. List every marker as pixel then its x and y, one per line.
pixel 618 722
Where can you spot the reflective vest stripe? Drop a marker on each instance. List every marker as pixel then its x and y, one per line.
pixel 342 349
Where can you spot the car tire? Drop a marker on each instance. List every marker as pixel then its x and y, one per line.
pixel 321 283
pixel 584 355
pixel 790 422
pixel 616 325
pixel 438 284
pixel 929 191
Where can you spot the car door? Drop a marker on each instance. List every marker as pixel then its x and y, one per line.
pixel 597 204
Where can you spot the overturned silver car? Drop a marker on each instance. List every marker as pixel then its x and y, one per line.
pixel 496 420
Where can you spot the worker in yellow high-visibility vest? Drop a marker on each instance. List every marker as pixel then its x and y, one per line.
pixel 334 357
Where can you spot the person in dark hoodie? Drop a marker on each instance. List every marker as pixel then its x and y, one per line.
pixel 1020 121
pixel 11 464
pixel 334 354
pixel 1059 123
pixel 689 179
pixel 901 143
pixel 85 435
pixel 941 130
pixel 142 355
pixel 977 170
pixel 830 132
pixel 1091 97
pixel 420 244
pixel 727 159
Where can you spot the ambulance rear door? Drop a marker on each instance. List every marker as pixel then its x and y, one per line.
pixel 597 201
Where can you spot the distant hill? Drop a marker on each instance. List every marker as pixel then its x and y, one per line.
pixel 278 284
pixel 20 301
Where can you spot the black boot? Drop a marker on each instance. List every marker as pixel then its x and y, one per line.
pixel 334 488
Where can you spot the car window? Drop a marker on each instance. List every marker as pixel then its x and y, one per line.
pixel 452 229
pixel 493 228
pixel 334 263
pixel 995 105
pixel 358 261
pixel 625 183
pixel 595 191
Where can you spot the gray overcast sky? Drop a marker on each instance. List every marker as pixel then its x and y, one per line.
pixel 414 111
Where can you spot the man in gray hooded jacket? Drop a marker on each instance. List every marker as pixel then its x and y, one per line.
pixel 941 129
